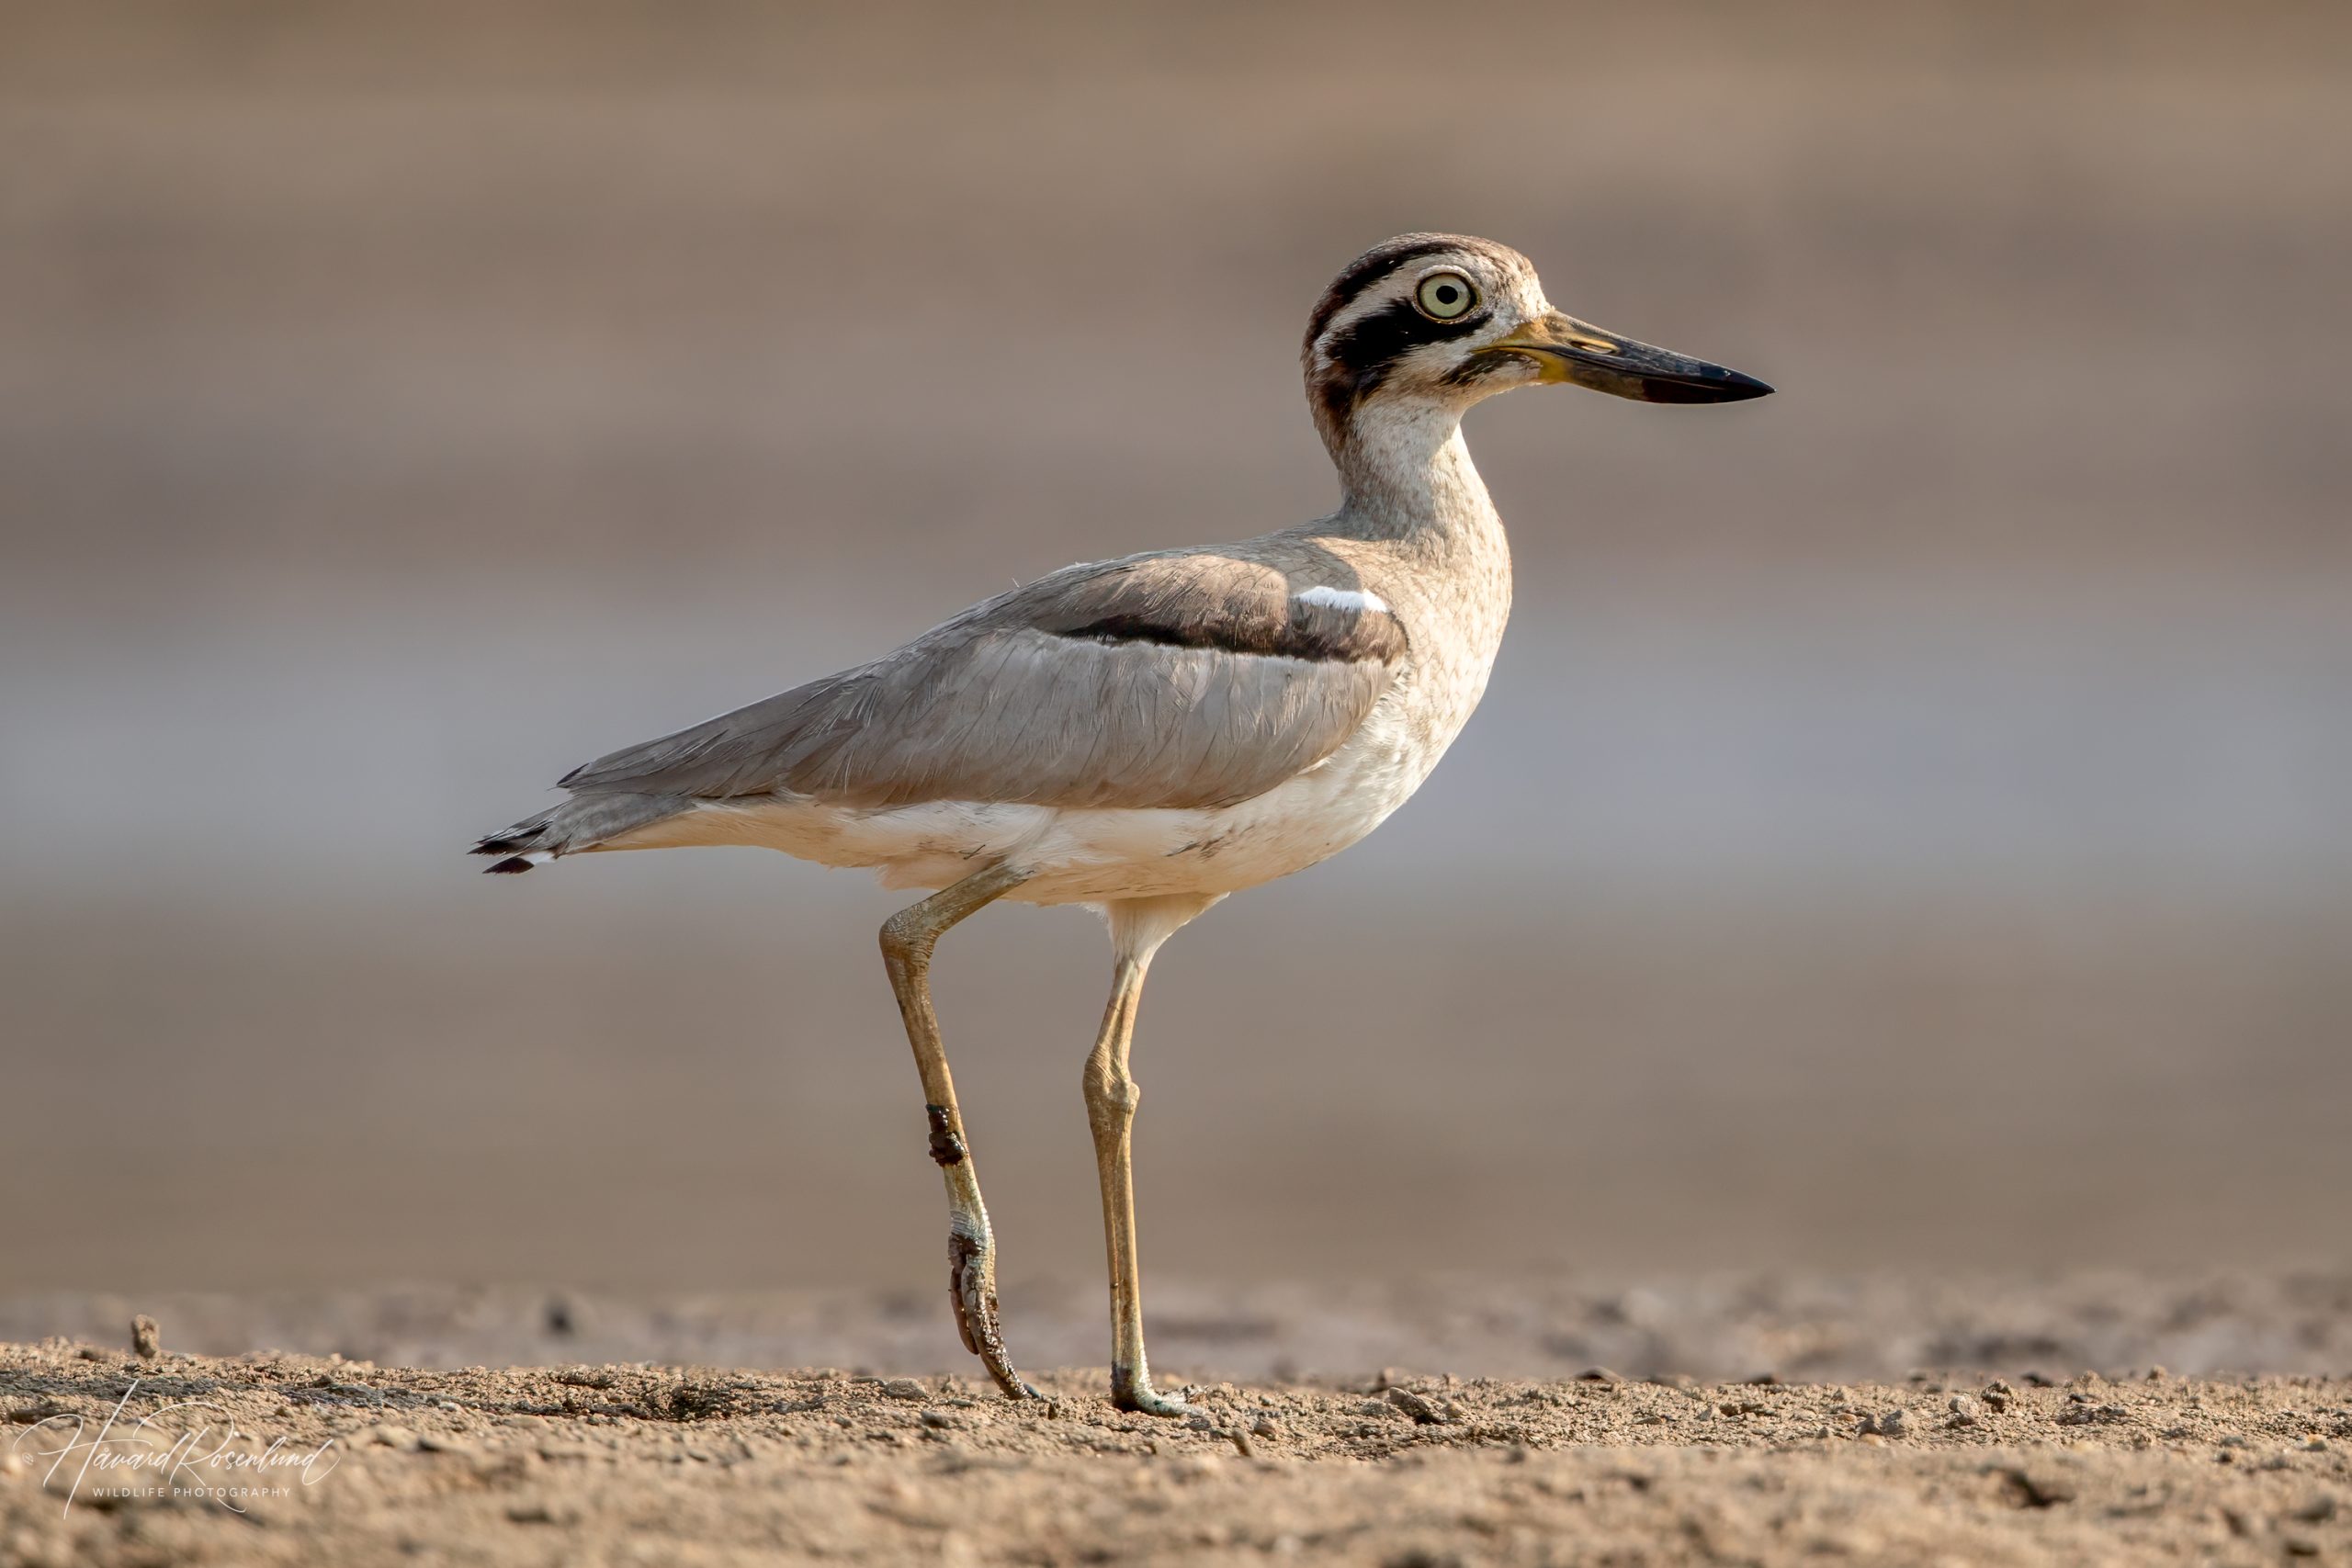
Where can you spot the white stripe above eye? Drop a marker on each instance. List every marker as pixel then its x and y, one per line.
pixel 1379 297
pixel 1354 599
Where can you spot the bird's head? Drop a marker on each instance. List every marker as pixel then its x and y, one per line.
pixel 1445 320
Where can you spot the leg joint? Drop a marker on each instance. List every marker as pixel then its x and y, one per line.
pixel 907 939
pixel 946 1145
pixel 1115 1093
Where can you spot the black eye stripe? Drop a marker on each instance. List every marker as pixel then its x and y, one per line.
pixel 1379 338
pixel 1373 267
pixel 1362 355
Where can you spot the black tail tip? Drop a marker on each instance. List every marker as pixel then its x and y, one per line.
pixel 511 840
pixel 511 865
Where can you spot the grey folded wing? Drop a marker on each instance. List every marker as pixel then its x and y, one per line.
pixel 1189 679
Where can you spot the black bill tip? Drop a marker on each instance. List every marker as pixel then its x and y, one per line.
pixel 1713 385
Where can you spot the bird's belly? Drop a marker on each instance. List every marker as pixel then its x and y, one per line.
pixel 1091 854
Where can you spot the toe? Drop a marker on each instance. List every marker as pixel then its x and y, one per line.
pixel 1146 1400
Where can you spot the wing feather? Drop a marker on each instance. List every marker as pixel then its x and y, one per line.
pixel 1188 679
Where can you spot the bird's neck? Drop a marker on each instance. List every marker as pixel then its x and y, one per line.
pixel 1405 474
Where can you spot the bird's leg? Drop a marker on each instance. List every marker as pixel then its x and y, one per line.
pixel 907 941
pixel 1110 1097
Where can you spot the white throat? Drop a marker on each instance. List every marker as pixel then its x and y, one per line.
pixel 1405 470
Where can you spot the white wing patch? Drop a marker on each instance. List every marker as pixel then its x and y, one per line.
pixel 1354 599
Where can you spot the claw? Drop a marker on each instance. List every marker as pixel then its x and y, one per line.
pixel 963 1318
pixel 971 1286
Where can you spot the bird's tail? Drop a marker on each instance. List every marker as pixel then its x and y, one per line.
pixel 583 822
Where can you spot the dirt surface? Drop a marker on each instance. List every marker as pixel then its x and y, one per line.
pixel 634 1441
pixel 631 1463
pixel 1796 1324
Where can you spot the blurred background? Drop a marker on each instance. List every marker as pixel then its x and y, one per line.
pixel 1908 827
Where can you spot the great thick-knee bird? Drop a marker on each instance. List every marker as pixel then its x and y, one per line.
pixel 1147 735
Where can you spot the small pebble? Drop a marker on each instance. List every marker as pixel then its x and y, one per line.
pixel 1424 1412
pixel 2093 1416
pixel 2037 1490
pixel 1885 1424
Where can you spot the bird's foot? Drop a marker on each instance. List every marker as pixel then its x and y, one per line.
pixel 1131 1390
pixel 971 1287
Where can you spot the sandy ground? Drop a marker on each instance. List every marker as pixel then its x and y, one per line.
pixel 1795 1324
pixel 630 1463
pixel 2025 1457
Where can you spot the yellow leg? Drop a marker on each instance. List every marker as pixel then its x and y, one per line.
pixel 1137 927
pixel 1111 1097
pixel 908 938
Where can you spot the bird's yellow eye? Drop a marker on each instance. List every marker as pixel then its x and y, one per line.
pixel 1443 296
